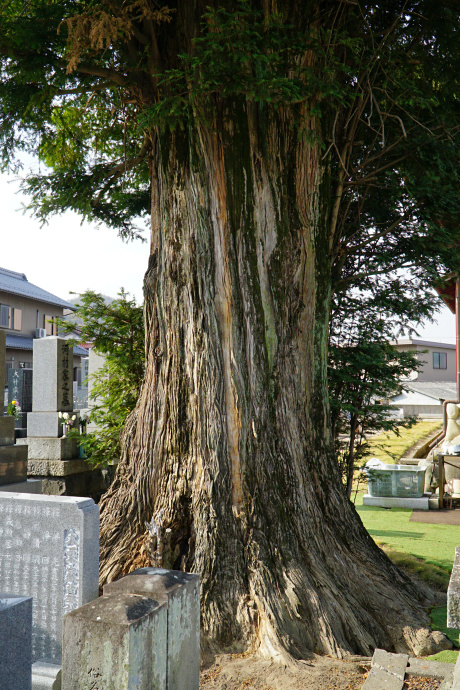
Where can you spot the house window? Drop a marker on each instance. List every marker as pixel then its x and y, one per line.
pixel 49 327
pixel 4 316
pixel 439 360
pixel 25 365
pixel 17 319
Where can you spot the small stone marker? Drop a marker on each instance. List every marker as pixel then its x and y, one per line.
pixel 453 594
pixel 49 549
pixel 15 642
pixel 52 386
pixel 181 592
pixel 116 641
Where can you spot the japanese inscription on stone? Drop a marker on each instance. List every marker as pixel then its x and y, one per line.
pixel 42 555
pixel 66 377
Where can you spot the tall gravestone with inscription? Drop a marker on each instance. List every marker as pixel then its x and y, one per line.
pixel 49 550
pixel 13 459
pixel 51 395
pixel 51 387
pixel 52 456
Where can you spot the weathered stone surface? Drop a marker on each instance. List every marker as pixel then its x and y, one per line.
pixel 453 594
pixel 429 669
pixel 13 464
pixel 50 551
pixel 53 376
pixel 15 642
pixel 50 448
pixel 456 678
pixel 378 679
pixel 181 592
pixel 396 502
pixel 46 676
pixel 56 468
pixel 6 430
pixel 117 641
pixel 392 663
pixel 31 486
pixel 92 482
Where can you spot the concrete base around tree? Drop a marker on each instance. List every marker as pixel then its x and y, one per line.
pixel 397 502
pixel 389 671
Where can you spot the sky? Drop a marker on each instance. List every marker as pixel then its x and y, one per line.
pixel 65 256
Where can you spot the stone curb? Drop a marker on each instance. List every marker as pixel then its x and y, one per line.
pixel 388 671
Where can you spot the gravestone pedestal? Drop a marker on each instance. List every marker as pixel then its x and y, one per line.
pixel 15 642
pixel 13 459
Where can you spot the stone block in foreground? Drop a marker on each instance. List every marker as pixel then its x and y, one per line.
pixel 181 592
pixel 116 642
pixel 453 594
pixel 15 642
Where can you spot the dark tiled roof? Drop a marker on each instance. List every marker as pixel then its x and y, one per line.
pixel 440 390
pixel 22 342
pixel 19 342
pixel 17 284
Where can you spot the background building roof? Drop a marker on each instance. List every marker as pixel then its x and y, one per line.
pixel 422 343
pixel 17 284
pixel 439 390
pixel 23 342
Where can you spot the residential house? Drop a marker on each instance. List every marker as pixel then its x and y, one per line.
pixel 438 359
pixel 27 312
pixel 425 391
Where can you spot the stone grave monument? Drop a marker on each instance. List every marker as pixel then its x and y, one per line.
pixel 13 458
pixel 20 389
pixel 49 550
pixel 53 457
pixel 15 642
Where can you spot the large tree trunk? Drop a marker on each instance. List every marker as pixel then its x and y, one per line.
pixel 230 439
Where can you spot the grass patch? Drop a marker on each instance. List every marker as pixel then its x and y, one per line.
pixel 432 575
pixel 438 615
pixel 434 544
pixel 389 447
pixel 447 656
pixel 425 550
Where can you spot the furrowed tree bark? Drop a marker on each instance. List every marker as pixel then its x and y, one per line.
pixel 231 439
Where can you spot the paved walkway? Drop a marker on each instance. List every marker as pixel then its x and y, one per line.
pixel 388 672
pixel 436 517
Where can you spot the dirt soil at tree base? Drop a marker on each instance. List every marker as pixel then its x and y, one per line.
pixel 249 672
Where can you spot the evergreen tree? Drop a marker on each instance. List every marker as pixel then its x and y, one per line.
pixel 115 329
pixel 287 152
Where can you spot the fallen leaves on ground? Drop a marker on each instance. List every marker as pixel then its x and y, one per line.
pixel 416 683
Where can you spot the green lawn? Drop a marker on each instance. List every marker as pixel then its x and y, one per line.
pixel 434 543
pixel 390 447
pixel 433 547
